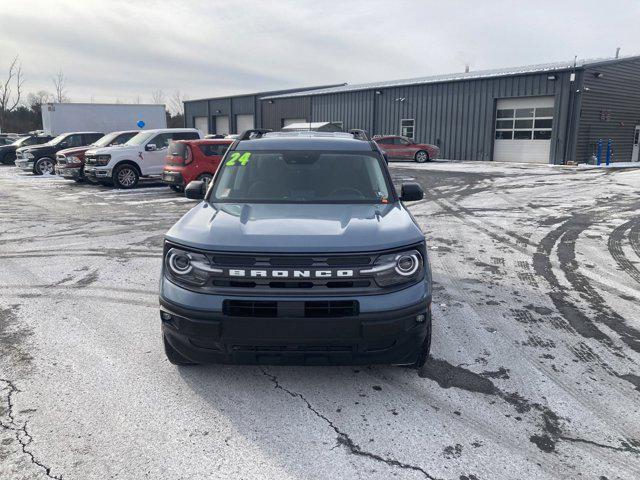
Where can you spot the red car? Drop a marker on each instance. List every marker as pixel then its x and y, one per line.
pixel 397 147
pixel 189 160
pixel 70 162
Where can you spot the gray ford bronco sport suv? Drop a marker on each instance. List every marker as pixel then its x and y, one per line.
pixel 301 252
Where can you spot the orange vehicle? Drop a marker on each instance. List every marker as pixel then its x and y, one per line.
pixel 189 160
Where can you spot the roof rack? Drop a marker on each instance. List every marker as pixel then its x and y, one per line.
pixel 359 134
pixel 253 133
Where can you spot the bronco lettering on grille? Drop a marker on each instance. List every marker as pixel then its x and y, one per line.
pixel 237 272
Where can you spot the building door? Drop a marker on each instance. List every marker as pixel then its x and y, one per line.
pixel 222 124
pixel 523 130
pixel 244 122
pixel 201 124
pixel 636 144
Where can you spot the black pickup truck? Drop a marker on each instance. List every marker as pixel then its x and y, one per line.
pixel 8 151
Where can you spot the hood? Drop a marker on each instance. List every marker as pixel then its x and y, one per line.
pixel 35 149
pixel 113 149
pixel 73 151
pixel 295 228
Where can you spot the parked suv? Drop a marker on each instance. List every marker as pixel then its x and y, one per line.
pixel 70 162
pixel 142 156
pixel 397 147
pixel 41 159
pixel 8 152
pixel 300 252
pixel 189 160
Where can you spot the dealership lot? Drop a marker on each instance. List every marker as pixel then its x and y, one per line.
pixel 534 370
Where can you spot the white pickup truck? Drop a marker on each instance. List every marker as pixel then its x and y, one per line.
pixel 142 156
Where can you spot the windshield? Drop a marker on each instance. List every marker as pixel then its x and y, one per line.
pixel 22 141
pixel 301 177
pixel 104 141
pixel 58 139
pixel 139 139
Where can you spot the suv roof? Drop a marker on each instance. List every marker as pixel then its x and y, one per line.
pixel 206 141
pixel 306 140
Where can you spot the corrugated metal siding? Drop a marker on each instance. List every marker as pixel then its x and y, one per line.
pixel 273 113
pixel 355 110
pixel 243 105
pixel 457 116
pixel 194 109
pixel 222 104
pixel 618 93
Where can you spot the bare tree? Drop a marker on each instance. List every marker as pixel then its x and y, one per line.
pixel 137 100
pixel 176 103
pixel 157 97
pixel 35 100
pixel 59 83
pixel 10 98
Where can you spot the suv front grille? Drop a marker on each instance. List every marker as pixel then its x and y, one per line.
pixel 293 264
pixel 309 309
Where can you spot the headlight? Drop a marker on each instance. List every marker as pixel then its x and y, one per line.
pixel 188 268
pixel 103 160
pixel 397 268
pixel 72 160
pixel 29 155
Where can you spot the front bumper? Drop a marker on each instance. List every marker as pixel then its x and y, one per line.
pixel 73 173
pixel 97 174
pixel 172 178
pixel 388 329
pixel 25 164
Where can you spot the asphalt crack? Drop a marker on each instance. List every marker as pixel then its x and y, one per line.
pixel 343 439
pixel 22 435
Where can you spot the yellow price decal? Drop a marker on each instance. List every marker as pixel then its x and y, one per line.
pixel 237 157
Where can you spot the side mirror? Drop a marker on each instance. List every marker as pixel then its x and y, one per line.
pixel 150 147
pixel 195 190
pixel 411 192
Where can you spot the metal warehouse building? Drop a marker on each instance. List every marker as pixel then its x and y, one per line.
pixel 549 113
pixel 224 115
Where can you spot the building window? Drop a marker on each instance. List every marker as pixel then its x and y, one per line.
pixel 524 123
pixel 407 128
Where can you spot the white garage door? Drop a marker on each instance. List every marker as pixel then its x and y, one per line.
pixel 288 121
pixel 201 124
pixel 244 122
pixel 523 130
pixel 222 124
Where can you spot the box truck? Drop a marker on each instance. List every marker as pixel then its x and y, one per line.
pixel 60 118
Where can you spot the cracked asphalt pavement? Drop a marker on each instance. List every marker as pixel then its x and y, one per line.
pixel 535 356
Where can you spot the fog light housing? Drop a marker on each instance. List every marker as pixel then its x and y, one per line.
pixel 166 316
pixel 420 318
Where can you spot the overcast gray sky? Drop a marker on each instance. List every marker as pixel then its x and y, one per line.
pixel 118 49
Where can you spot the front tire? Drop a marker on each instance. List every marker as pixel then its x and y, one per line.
pixel 9 158
pixel 44 166
pixel 125 176
pixel 421 156
pixel 175 357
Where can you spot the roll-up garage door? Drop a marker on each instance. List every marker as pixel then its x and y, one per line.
pixel 201 124
pixel 244 122
pixel 523 130
pixel 222 124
